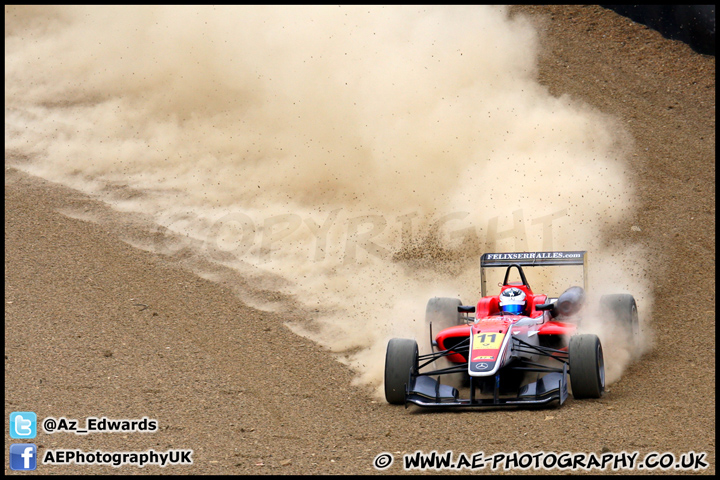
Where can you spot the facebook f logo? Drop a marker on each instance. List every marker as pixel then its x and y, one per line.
pixel 23 425
pixel 23 456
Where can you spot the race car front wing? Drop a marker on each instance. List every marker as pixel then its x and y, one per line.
pixel 425 391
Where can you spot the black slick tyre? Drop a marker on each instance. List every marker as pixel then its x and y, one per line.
pixel 622 309
pixel 587 367
pixel 443 313
pixel 401 357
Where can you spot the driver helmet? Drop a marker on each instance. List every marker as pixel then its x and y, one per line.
pixel 512 300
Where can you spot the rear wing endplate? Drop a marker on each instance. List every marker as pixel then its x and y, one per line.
pixel 532 259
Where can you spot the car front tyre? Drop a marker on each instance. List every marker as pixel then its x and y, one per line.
pixel 587 366
pixel 401 357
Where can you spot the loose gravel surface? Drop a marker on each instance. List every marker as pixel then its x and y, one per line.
pixel 94 326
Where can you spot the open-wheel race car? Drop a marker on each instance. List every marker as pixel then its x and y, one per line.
pixel 519 349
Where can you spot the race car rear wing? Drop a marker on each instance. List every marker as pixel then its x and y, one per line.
pixel 532 259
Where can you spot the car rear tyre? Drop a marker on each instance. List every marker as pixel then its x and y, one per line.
pixel 443 312
pixel 623 310
pixel 401 357
pixel 587 367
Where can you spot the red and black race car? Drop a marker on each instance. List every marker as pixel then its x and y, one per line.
pixel 519 349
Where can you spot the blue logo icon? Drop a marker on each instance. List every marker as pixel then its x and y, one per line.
pixel 23 456
pixel 23 425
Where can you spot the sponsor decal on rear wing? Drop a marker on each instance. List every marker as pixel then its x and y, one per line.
pixel 532 259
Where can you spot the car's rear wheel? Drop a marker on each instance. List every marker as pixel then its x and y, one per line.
pixel 587 367
pixel 401 357
pixel 622 309
pixel 442 312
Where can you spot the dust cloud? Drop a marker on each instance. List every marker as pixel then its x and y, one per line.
pixel 357 158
